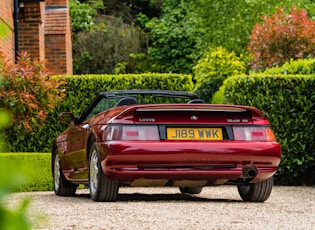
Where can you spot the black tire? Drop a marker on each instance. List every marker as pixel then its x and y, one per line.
pixel 256 192
pixel 101 187
pixel 190 190
pixel 61 186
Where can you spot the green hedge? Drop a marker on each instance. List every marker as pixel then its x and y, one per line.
pixel 36 167
pixel 300 66
pixel 81 90
pixel 287 100
pixel 208 89
pixel 289 103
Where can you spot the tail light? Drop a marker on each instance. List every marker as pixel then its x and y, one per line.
pixel 131 132
pixel 257 133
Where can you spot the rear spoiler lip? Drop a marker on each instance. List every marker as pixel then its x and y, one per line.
pixel 257 115
pixel 194 109
pixel 199 107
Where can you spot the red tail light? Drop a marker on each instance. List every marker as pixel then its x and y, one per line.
pixel 253 134
pixel 131 132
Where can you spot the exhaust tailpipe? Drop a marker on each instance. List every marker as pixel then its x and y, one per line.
pixel 249 171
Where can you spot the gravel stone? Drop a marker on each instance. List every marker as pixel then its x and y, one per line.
pixel 166 208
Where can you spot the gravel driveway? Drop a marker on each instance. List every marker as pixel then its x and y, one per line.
pixel 165 208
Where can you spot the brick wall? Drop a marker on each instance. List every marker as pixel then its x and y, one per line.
pixel 31 29
pixel 6 23
pixel 56 2
pixel 44 32
pixel 58 43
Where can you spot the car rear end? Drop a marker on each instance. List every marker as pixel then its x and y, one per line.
pixel 189 145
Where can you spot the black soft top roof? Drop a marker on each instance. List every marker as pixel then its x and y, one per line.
pixel 122 93
pixel 161 93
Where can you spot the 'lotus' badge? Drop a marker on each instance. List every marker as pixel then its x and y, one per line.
pixel 194 118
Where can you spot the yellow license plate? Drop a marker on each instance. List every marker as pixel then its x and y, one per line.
pixel 194 134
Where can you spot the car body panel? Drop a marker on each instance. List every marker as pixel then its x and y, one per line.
pixel 185 161
pixel 168 162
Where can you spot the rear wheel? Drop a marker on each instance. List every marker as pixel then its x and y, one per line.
pixel 257 192
pixel 190 190
pixel 61 186
pixel 101 187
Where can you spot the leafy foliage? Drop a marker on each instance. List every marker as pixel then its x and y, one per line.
pixel 289 103
pixel 213 67
pixel 180 30
pixel 28 92
pixel 218 63
pixel 129 9
pixel 82 16
pixel 103 50
pixel 207 89
pixel 171 47
pixel 185 29
pixel 80 91
pixel 229 23
pixel 224 23
pixel 300 66
pixel 11 177
pixel 282 37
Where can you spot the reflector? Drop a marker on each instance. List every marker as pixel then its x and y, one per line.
pixel 253 133
pixel 131 132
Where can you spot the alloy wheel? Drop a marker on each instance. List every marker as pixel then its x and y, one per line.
pixel 57 172
pixel 94 172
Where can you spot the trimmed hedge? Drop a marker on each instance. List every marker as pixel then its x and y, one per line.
pixel 81 90
pixel 288 101
pixel 36 167
pixel 208 89
pixel 300 66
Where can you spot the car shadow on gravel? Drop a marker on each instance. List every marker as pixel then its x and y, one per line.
pixel 136 197
pixel 169 197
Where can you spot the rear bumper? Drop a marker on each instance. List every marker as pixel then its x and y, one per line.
pixel 174 161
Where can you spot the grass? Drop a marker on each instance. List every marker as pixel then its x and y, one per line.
pixel 34 169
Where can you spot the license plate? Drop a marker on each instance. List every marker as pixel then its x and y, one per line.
pixel 194 134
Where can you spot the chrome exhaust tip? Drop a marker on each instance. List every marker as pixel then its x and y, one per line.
pixel 249 171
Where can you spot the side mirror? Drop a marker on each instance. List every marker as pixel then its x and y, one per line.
pixel 66 118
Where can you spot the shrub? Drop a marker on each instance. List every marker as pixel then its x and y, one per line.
pixel 282 37
pixel 289 103
pixel 171 48
pixel 207 89
pixel 28 92
pixel 213 67
pixel 82 16
pixel 301 66
pixel 97 52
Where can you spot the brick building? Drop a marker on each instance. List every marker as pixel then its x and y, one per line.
pixel 40 27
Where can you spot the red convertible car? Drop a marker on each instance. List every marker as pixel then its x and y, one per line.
pixel 164 138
